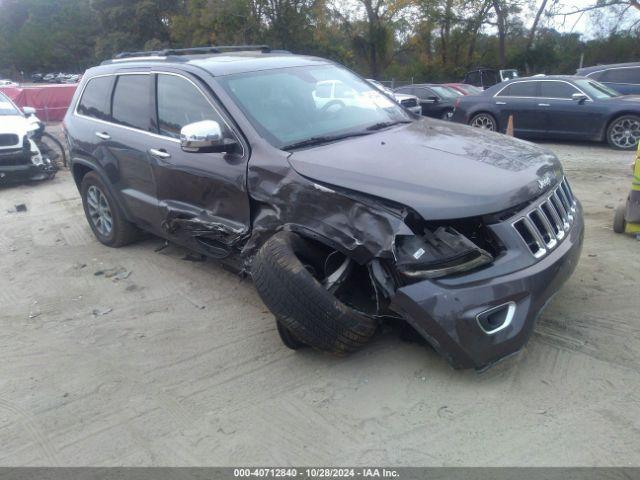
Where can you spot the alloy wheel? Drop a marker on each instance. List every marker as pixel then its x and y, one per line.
pixel 625 133
pixel 99 211
pixel 483 121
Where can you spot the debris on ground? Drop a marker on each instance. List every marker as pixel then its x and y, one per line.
pixel 21 207
pixel 98 312
pixel 116 273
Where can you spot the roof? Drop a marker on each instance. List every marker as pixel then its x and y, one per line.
pixel 218 64
pixel 596 68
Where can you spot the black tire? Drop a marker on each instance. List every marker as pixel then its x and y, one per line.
pixel 122 232
pixel 485 121
pixel 619 223
pixel 288 338
pixel 301 304
pixel 623 133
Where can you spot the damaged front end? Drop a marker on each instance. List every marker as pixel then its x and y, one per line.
pixel 471 287
pixel 24 161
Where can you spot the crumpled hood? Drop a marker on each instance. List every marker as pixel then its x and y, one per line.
pixel 440 169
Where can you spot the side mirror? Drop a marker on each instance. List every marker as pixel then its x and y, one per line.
pixel 205 136
pixel 579 97
pixel 28 111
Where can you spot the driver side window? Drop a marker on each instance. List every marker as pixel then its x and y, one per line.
pixel 180 103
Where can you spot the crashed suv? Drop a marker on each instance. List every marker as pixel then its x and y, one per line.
pixel 344 214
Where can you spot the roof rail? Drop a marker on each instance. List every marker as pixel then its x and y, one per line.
pixel 193 51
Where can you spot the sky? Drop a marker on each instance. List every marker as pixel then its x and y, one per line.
pixel 589 24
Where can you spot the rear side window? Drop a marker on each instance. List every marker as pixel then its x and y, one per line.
pixel 621 75
pixel 181 103
pixel 131 100
pixel 557 90
pixel 95 98
pixel 520 89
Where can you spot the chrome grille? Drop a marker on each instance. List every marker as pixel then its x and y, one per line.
pixel 543 226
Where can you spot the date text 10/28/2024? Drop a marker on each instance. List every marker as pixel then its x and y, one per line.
pixel 315 473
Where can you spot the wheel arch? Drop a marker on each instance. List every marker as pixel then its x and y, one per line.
pixel 81 167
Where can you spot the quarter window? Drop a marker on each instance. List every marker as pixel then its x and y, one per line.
pixel 520 89
pixel 94 102
pixel 557 90
pixel 130 105
pixel 181 103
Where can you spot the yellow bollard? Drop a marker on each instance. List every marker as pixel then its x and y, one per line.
pixel 627 217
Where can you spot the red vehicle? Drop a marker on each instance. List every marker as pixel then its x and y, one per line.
pixel 464 88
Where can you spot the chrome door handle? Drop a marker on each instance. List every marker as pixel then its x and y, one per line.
pixel 544 105
pixel 501 103
pixel 159 153
pixel 103 135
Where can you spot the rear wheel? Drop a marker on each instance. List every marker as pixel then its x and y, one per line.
pixel 105 217
pixel 624 132
pixel 485 121
pixel 301 285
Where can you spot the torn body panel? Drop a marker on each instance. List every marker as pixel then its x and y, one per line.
pixel 358 226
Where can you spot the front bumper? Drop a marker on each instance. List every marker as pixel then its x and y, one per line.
pixel 16 167
pixel 445 311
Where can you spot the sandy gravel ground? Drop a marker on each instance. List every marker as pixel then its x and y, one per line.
pixel 172 362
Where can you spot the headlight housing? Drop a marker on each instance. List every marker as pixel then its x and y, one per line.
pixel 439 252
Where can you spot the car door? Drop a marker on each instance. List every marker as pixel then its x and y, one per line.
pixel 566 117
pixel 428 101
pixel 520 101
pixel 203 196
pixel 124 139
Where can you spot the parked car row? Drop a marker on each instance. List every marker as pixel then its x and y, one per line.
pixel 56 77
pixel 601 103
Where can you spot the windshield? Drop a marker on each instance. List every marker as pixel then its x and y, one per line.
pixel 508 74
pixel 443 92
pixel 6 107
pixel 596 89
pixel 291 105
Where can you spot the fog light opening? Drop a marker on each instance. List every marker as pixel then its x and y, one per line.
pixel 497 318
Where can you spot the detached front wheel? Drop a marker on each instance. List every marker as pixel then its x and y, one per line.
pixel 298 283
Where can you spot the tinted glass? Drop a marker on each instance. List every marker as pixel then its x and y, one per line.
pixel 621 75
pixel 423 93
pixel 131 101
pixel 94 102
pixel 181 103
pixel 557 90
pixel 520 89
